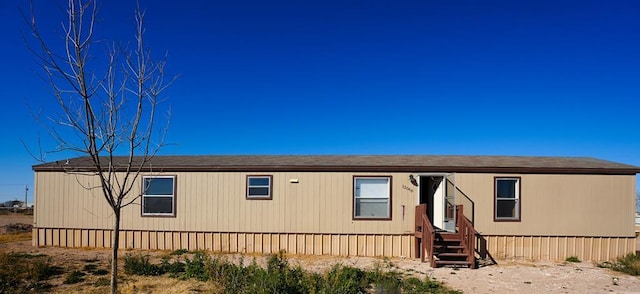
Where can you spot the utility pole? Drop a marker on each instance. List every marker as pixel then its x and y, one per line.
pixel 26 189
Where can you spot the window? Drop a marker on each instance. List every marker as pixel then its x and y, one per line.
pixel 158 196
pixel 507 199
pixel 259 187
pixel 372 197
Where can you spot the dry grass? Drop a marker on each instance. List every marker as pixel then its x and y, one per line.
pixel 11 217
pixel 164 284
pixel 141 285
pixel 9 238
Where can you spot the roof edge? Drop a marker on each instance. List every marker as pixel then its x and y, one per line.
pixel 344 168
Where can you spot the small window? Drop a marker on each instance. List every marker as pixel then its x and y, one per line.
pixel 158 197
pixel 259 187
pixel 507 199
pixel 372 197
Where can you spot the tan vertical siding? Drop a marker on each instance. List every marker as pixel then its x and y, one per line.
pixel 562 205
pixel 589 216
pixel 318 203
pixel 574 205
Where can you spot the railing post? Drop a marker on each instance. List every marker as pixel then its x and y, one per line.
pixel 418 232
pixel 468 233
pixel 424 235
pixel 419 229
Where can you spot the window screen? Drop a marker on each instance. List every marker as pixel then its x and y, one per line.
pixel 372 197
pixel 158 195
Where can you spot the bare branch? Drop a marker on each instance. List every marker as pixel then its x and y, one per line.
pixel 102 118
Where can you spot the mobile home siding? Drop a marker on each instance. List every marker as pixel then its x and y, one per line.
pixel 208 201
pixel 589 216
pixel 557 205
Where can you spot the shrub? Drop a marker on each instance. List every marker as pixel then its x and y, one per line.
pixel 384 278
pixel 74 277
pixel 139 265
pixel 24 255
pixel 281 277
pixel 345 279
pixel 100 272
pixel 93 268
pixel 413 285
pixel 179 252
pixel 572 259
pixel 238 278
pixel 101 282
pixel 232 278
pixel 173 268
pixel 89 267
pixel 313 283
pixel 23 272
pixel 15 228
pixel 43 270
pixel 385 282
pixel 198 267
pixel 629 264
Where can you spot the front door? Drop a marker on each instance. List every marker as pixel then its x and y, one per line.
pixel 438 191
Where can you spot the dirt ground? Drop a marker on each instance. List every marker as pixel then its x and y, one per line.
pixel 505 277
pixel 11 217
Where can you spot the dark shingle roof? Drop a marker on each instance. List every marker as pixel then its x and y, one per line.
pixel 370 163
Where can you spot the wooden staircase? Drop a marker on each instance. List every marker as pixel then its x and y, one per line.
pixel 449 250
pixel 445 248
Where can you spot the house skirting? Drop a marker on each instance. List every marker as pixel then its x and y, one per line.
pixel 400 245
pixel 556 247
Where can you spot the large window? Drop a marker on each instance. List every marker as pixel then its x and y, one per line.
pixel 158 196
pixel 371 197
pixel 259 187
pixel 507 199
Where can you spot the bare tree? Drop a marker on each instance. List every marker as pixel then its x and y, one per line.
pixel 108 107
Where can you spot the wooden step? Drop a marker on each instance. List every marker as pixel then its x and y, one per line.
pixel 440 246
pixel 447 241
pixel 448 237
pixel 453 262
pixel 451 254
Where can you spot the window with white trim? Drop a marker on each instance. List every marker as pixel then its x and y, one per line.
pixel 259 187
pixel 371 197
pixel 507 199
pixel 158 197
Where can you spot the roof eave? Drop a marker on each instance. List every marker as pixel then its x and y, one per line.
pixel 330 168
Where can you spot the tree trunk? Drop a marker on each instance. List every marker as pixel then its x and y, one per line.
pixel 114 251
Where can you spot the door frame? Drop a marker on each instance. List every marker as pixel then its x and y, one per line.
pixel 448 224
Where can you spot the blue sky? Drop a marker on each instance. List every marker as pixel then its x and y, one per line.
pixel 558 78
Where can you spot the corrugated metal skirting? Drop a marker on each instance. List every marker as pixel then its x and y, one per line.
pixel 557 247
pixel 498 247
pixel 311 244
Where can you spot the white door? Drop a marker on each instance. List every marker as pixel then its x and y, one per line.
pixel 438 191
pixel 438 199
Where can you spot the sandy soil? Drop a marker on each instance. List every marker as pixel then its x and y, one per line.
pixel 505 277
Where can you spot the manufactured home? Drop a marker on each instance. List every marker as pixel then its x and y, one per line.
pixel 449 210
